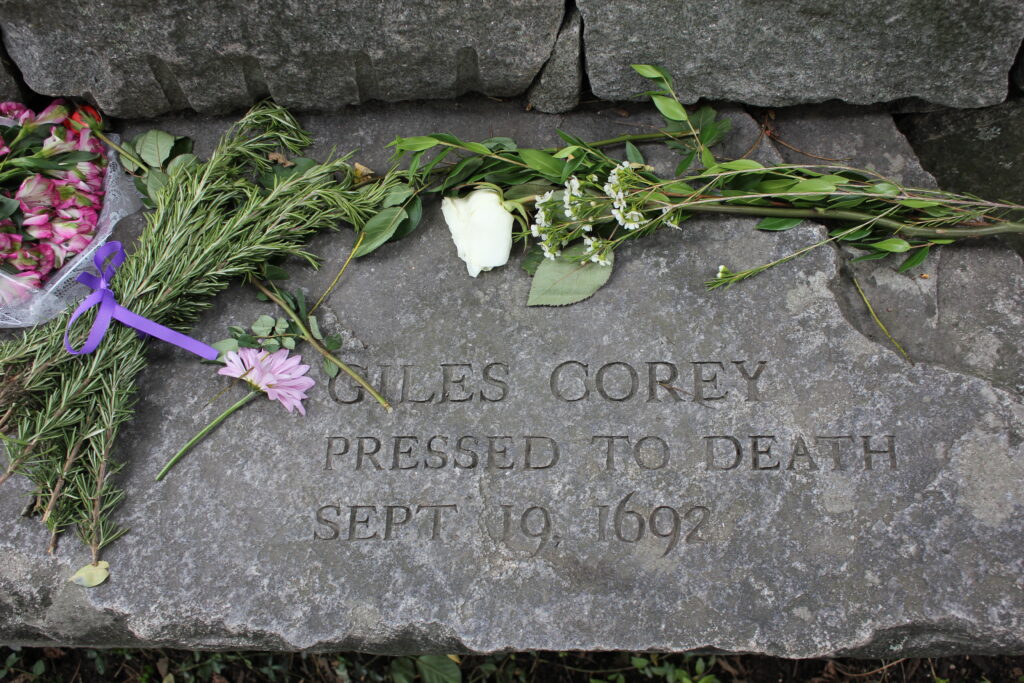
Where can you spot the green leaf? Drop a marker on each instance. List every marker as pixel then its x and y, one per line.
pixel 633 154
pixel 565 152
pixel 886 189
pixel 438 669
pixel 565 281
pixel 942 241
pixel 669 107
pixel 415 143
pixel 541 161
pixel 288 342
pixel 91 575
pixel 915 259
pixel 71 158
pixel 263 326
pixel 402 670
pixel 330 369
pixel 917 203
pixel 397 195
pixel 639 662
pixel 412 221
pixel 332 342
pixel 272 272
pixel 892 245
pixel 778 224
pixel 870 257
pixel 281 326
pixel 707 159
pixel 225 345
pixel 816 185
pixel 154 147
pixel 527 190
pixel 380 228
pixel 155 181
pixel 462 171
pixel 271 345
pixel 652 72
pixel 8 206
pixel 128 164
pixel 314 328
pixel 499 144
pixel 532 260
pixel 738 165
pixel 182 161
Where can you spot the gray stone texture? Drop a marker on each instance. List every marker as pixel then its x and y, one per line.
pixel 925 558
pixel 140 59
pixel 558 86
pixel 783 53
pixel 9 90
pixel 962 307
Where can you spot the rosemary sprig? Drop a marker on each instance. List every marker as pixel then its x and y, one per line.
pixel 211 224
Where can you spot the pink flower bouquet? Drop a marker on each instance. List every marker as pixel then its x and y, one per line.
pixel 56 179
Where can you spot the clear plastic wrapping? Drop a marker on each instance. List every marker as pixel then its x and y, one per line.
pixel 61 290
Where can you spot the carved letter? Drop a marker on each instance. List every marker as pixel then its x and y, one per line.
pixel 489 378
pixel 406 382
pixel 390 522
pixel 435 525
pixel 449 381
pixel 654 382
pixel 440 455
pixel 332 385
pixel 361 452
pixel 800 450
pixel 556 375
pixel 662 449
pixel 493 451
pixel 834 443
pixel 634 381
pixel 889 450
pixel 553 458
pixel 753 393
pixel 354 522
pixel 709 442
pixel 329 461
pixel 399 449
pixel 757 450
pixel 333 526
pixel 474 457
pixel 609 458
pixel 699 380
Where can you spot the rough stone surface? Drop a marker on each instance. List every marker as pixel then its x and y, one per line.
pixel 558 87
pixel 960 308
pixel 9 90
pixel 219 57
pixel 777 54
pixel 772 556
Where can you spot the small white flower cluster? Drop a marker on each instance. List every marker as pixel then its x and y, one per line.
pixel 540 228
pixel 599 250
pixel 572 193
pixel 668 220
pixel 616 187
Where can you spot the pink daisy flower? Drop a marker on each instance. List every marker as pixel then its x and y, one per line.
pixel 280 377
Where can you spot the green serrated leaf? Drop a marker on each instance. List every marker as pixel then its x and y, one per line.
pixel 333 342
pixel 438 669
pixel 330 369
pixel 155 181
pixel 778 224
pixel 225 345
pixel 263 326
pixel 154 147
pixel 380 228
pixel 281 326
pixel 271 345
pixel 532 260
pixel 128 164
pixel 288 342
pixel 181 161
pixel 272 272
pixel 565 281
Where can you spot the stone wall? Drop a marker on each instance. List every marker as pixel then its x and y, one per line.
pixel 140 59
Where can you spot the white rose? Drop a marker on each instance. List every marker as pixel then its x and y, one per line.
pixel 481 229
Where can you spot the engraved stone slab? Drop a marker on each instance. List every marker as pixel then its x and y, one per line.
pixel 656 468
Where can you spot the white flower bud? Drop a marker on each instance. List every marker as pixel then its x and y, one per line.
pixel 481 229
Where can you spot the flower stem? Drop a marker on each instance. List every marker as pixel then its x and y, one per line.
pixel 337 278
pixel 308 336
pixel 204 431
pixel 822 214
pixel 121 150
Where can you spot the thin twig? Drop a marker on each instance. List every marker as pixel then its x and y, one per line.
pixel 878 321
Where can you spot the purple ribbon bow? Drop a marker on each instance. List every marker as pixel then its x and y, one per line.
pixel 111 310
